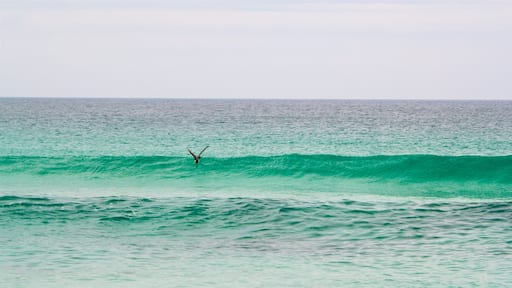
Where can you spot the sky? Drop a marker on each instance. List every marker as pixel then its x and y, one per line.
pixel 332 49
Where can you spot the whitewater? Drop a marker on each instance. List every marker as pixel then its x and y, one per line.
pixel 296 193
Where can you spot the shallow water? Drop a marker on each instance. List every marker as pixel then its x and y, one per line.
pixel 289 194
pixel 253 242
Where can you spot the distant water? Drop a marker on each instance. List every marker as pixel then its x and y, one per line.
pixel 289 193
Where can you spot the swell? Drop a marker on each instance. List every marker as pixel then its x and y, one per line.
pixel 402 168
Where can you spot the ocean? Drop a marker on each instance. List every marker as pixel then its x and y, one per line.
pixel 289 193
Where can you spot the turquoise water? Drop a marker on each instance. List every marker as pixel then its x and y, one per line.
pixel 289 193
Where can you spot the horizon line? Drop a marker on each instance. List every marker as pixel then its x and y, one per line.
pixel 256 99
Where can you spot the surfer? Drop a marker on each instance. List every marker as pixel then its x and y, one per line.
pixel 198 157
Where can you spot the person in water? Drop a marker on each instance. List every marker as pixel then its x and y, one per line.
pixel 198 157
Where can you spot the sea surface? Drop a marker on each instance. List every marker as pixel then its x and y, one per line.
pixel 103 193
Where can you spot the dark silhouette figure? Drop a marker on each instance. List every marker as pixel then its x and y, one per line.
pixel 198 157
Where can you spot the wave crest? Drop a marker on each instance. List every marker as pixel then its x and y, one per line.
pixel 406 168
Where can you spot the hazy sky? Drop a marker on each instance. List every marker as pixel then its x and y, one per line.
pixel 388 49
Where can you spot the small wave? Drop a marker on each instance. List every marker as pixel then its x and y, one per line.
pixel 267 217
pixel 408 168
pixel 416 175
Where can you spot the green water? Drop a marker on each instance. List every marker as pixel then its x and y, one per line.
pixel 483 177
pixel 289 193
